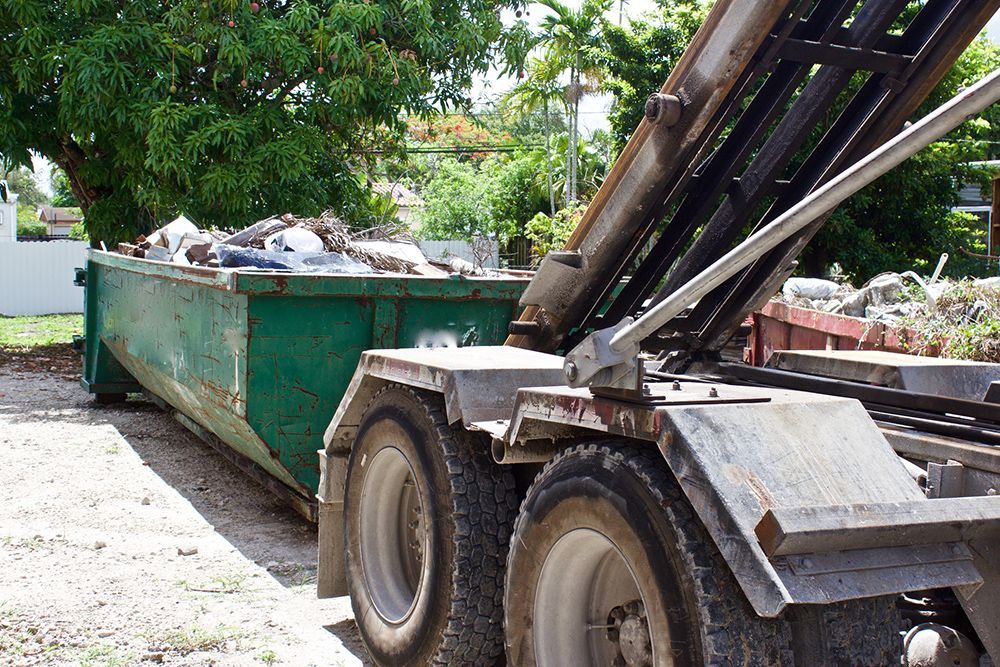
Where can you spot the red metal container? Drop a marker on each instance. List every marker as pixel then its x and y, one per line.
pixel 779 326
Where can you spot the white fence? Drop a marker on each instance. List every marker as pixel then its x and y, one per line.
pixel 37 278
pixel 463 249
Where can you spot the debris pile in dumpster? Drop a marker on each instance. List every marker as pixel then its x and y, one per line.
pixel 961 318
pixel 290 243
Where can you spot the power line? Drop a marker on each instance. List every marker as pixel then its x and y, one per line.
pixel 510 148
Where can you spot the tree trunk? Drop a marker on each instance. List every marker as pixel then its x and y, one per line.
pixel 574 86
pixel 70 160
pixel 548 159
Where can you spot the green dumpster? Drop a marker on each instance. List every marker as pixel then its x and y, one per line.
pixel 258 361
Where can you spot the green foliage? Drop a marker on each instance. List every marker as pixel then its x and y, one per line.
pixel 382 211
pixel 454 203
pixel 548 233
pixel 964 323
pixel 26 214
pixel 903 220
pixel 62 192
pixel 78 232
pixel 31 226
pixel 591 167
pixel 572 43
pixel 639 56
pixel 145 108
pixel 24 184
pixel 515 193
pixel 496 199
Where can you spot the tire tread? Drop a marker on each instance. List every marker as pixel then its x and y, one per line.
pixel 484 503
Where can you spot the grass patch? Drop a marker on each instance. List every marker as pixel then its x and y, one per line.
pixel 20 333
pixel 223 584
pixel 105 656
pixel 196 638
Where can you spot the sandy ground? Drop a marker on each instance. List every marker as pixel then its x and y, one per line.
pixel 97 505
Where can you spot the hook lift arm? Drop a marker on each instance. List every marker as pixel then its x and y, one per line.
pixel 609 358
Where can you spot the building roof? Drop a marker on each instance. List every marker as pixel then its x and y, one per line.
pixel 57 215
pixel 400 194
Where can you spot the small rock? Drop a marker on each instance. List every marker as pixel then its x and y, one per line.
pixel 146 500
pixel 885 290
pixel 99 544
pixel 854 305
pixel 153 657
pixel 105 633
pixel 187 551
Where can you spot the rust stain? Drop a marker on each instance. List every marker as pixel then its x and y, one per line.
pixel 757 487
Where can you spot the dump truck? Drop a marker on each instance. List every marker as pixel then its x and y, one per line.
pixel 606 488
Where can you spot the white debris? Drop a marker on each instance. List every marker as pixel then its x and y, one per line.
pixel 809 288
pixel 175 231
pixel 988 283
pixel 465 267
pixel 408 252
pixel 294 239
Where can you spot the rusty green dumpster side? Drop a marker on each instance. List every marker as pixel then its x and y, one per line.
pixel 261 360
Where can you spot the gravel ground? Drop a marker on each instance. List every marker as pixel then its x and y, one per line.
pixel 98 505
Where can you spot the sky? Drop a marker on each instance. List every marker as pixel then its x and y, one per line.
pixel 593 109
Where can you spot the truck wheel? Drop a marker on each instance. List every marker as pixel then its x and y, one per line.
pixel 610 566
pixel 428 517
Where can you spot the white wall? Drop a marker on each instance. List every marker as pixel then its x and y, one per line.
pixel 8 218
pixel 36 278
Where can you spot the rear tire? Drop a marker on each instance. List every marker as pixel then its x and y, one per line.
pixel 428 517
pixel 596 514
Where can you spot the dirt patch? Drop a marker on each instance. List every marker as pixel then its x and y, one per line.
pixel 58 359
pixel 126 540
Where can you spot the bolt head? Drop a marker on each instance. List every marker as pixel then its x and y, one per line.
pixel 571 371
pixel 663 109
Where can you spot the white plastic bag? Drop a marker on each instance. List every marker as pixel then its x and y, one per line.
pixel 809 288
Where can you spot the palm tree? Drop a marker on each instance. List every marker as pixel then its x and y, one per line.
pixel 539 89
pixel 572 44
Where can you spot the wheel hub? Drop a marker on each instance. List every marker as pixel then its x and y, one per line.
pixel 629 631
pixel 392 536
